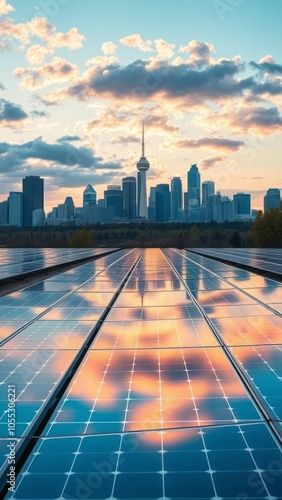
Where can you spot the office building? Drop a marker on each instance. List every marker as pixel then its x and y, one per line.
pixel 89 196
pixel 271 199
pixel 114 198
pixel 69 208
pixel 223 208
pixel 186 206
pixel 152 203
pixel 94 214
pixel 176 198
pixel 129 197
pixel 207 193
pixel 33 197
pixel 194 183
pixel 15 209
pixel 163 203
pixel 4 213
pixel 242 204
pixel 38 218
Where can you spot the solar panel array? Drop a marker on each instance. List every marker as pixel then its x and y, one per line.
pixel 37 353
pixel 17 261
pixel 269 260
pixel 178 395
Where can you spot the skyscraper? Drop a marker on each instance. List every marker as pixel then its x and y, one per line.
pixel 223 208
pixel 207 192
pixel 129 197
pixel 142 166
pixel 242 204
pixel 194 182
pixel 33 197
pixel 271 199
pixel 114 198
pixel 163 203
pixel 69 208
pixel 16 209
pixel 4 213
pixel 38 217
pixel 89 196
pixel 176 198
pixel 152 203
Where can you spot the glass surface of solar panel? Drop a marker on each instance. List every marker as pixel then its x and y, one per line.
pixel 16 261
pixel 160 408
pixel 228 462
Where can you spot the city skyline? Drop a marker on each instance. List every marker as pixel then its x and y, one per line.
pixel 206 80
pixel 201 202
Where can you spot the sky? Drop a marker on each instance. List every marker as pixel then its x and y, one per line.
pixel 77 77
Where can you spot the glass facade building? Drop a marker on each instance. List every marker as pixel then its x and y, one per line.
pixel 33 197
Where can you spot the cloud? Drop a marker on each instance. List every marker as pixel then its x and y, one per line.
pixel 59 70
pixel 127 139
pixel 38 27
pixel 109 48
pixel 39 114
pixel 101 62
pixel 54 160
pixel 5 8
pixel 135 41
pixel 267 64
pixel 69 138
pixel 212 161
pixel 116 117
pixel 164 49
pixel 218 143
pixel 181 83
pixel 2 86
pixel 199 53
pixel 245 119
pixel 72 40
pixel 37 53
pixel 11 115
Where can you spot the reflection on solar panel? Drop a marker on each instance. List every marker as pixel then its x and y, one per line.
pixel 177 396
pixel 266 260
pixel 20 261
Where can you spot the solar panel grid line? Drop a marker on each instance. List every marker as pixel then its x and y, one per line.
pixel 28 267
pixel 165 478
pixel 267 268
pixel 58 302
pixel 265 392
pixel 243 254
pixel 252 296
pixel 270 308
pixel 255 395
pixel 48 404
pixel 204 447
pixel 125 279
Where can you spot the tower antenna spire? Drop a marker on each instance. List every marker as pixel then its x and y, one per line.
pixel 143 141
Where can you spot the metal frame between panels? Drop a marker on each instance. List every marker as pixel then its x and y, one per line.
pixel 274 426
pixel 27 443
pixel 154 404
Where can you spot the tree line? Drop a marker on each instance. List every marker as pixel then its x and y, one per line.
pixel 144 234
pixel 265 231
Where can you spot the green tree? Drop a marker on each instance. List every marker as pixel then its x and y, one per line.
pixel 235 239
pixel 267 228
pixel 81 238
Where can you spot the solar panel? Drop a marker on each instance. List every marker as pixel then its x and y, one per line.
pixel 177 397
pixel 15 262
pixel 229 462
